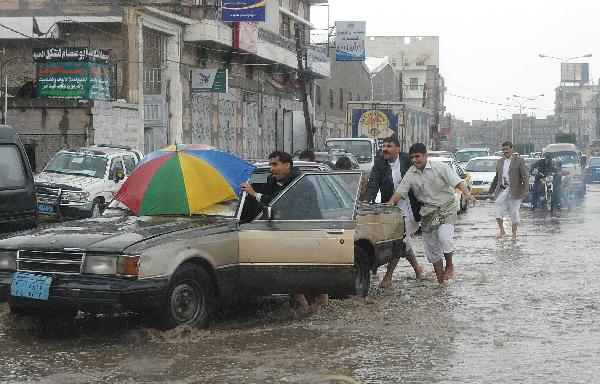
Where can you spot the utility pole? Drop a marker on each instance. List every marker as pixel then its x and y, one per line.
pixel 300 55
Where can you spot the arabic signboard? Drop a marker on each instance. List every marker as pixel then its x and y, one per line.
pixel 245 36
pixel 70 55
pixel 243 10
pixel 72 73
pixel 350 40
pixel 210 80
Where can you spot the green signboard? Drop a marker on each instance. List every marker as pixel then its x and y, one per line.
pixel 210 80
pixel 72 73
pixel 68 80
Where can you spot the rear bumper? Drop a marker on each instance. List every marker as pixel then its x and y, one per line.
pixel 95 294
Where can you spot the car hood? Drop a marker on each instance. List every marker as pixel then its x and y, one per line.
pixel 486 177
pixel 59 180
pixel 111 234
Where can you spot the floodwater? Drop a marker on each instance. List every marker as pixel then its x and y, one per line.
pixel 524 311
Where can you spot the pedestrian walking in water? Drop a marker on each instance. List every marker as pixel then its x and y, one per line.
pixel 387 172
pixel 510 185
pixel 433 184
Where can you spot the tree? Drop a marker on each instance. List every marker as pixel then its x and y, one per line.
pixel 564 137
pixel 523 148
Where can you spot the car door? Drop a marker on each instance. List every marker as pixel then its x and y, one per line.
pixel 307 243
pixel 116 164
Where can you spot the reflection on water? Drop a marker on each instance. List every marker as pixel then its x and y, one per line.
pixel 524 311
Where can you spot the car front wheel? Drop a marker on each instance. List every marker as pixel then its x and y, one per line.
pixel 190 299
pixel 362 272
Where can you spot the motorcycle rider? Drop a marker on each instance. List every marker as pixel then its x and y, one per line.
pixel 545 168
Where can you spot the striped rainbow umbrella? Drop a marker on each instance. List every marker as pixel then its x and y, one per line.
pixel 183 179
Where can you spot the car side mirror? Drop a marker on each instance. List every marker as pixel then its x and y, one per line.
pixel 119 175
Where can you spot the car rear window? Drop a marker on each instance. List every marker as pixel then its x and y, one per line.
pixel 12 169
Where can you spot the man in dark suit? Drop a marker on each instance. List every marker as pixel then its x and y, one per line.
pixel 386 174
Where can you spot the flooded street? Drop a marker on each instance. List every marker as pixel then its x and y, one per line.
pixel 524 311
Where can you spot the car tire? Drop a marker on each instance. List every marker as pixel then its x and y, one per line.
pixel 362 272
pixel 96 208
pixel 189 299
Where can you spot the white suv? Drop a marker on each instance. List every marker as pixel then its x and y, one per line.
pixel 80 182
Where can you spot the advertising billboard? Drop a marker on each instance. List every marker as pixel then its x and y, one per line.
pixel 72 73
pixel 350 40
pixel 575 73
pixel 243 10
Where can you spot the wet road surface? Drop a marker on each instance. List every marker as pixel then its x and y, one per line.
pixel 524 311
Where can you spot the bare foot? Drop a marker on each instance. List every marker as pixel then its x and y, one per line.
pixel 419 272
pixel 385 282
pixel 514 237
pixel 500 235
pixel 322 299
pixel 449 273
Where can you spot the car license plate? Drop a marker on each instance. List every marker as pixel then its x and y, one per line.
pixel 30 286
pixel 46 208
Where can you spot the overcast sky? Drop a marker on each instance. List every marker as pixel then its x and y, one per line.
pixel 488 49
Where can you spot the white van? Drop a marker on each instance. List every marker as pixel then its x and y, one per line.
pixel 365 150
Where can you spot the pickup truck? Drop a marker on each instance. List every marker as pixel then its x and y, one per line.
pixel 177 269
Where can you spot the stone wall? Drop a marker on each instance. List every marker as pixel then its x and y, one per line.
pixel 47 126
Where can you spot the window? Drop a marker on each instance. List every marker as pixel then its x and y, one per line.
pixel 319 197
pixel 331 98
pixel 284 29
pixel 318 94
pixel 414 83
pixel 12 171
pixel 129 163
pixel 115 165
pixel 341 99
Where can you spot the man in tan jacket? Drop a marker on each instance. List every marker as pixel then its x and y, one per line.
pixel 510 185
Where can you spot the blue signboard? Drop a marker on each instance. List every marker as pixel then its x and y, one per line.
pixel 243 10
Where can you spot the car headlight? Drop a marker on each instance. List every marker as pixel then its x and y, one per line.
pixel 75 196
pixel 8 260
pixel 123 265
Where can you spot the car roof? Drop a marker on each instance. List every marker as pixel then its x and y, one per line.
pixel 99 151
pixel 559 147
pixel 486 158
pixel 473 149
pixel 440 158
pixel 302 165
pixel 8 135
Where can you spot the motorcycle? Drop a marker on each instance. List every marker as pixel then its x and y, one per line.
pixel 545 199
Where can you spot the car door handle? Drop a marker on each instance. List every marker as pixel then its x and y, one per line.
pixel 337 231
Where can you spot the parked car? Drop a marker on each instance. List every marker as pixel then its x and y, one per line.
pixel 17 191
pixel 80 182
pixel 462 156
pixel 482 170
pixel 178 268
pixel 461 199
pixel 592 170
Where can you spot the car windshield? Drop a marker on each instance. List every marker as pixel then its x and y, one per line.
pixel 468 155
pixel 84 164
pixel 567 159
pixel 481 165
pixel 595 161
pixel 360 149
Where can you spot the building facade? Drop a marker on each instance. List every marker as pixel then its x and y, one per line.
pixel 154 49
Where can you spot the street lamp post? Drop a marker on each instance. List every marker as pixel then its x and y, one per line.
pixel 520 100
pixel 512 125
